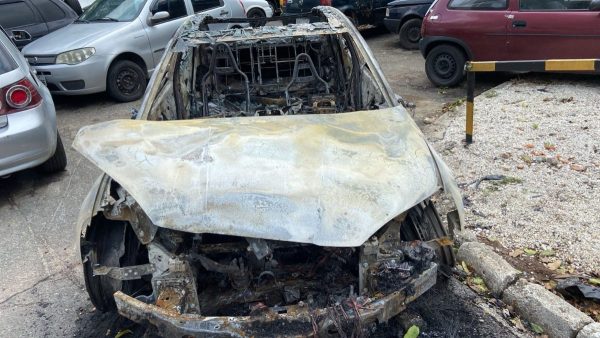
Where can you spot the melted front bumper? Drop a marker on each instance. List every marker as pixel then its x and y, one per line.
pixel 286 321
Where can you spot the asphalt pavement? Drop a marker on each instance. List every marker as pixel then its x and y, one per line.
pixel 41 286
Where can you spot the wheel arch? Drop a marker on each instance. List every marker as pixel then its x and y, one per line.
pixel 255 7
pixel 406 17
pixel 130 56
pixel 428 43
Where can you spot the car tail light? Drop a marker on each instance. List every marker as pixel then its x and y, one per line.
pixel 325 2
pixel 18 96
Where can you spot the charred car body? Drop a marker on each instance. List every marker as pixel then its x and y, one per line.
pixel 271 185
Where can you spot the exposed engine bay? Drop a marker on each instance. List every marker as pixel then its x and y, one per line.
pixel 317 290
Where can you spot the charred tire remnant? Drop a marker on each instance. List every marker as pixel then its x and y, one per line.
pixel 114 244
pixel 424 223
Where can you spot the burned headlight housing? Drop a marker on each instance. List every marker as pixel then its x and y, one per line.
pixel 76 56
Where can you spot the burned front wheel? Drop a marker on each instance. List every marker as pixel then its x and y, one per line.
pixel 424 223
pixel 111 244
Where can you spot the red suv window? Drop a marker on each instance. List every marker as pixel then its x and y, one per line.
pixel 478 4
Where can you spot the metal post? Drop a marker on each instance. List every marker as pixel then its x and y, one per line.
pixel 470 96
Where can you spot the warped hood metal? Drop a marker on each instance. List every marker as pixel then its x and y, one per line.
pixel 329 180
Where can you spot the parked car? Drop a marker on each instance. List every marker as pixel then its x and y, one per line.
pixel 115 45
pixel 455 31
pixel 28 20
pixel 361 12
pixel 256 9
pixel 270 173
pixel 28 134
pixel 404 17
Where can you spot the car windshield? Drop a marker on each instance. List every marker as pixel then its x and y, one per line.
pixel 113 10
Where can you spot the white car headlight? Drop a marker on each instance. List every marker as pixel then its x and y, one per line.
pixel 387 11
pixel 76 56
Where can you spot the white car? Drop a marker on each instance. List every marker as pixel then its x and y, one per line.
pixel 114 46
pixel 256 9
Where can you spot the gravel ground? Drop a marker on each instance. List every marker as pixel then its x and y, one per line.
pixel 544 137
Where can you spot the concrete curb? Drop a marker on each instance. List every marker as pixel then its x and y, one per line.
pixel 533 302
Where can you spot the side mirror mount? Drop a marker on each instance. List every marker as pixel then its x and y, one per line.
pixel 159 17
pixel 594 5
pixel 20 36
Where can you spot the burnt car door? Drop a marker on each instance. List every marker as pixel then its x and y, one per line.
pixel 22 22
pixel 554 29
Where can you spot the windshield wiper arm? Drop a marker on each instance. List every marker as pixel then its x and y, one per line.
pixel 106 19
pixel 82 20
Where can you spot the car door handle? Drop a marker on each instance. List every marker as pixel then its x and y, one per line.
pixel 224 12
pixel 519 24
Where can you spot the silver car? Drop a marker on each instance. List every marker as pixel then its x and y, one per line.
pixel 28 134
pixel 115 45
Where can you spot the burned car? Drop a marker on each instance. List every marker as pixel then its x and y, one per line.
pixel 270 185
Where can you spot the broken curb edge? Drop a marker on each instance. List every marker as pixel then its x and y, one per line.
pixel 557 317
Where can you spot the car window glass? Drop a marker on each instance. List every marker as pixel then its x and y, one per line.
pixel 16 14
pixel 176 8
pixel 107 10
pixel 7 63
pixel 50 11
pixel 554 5
pixel 478 4
pixel 202 5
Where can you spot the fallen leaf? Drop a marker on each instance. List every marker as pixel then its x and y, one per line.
pixel 554 265
pixel 464 266
pixel 536 328
pixel 549 146
pixel 478 280
pixel 578 167
pixel 562 159
pixel 550 285
pixel 594 281
pixel 530 252
pixel 516 253
pixel 412 332
pixel 518 324
pixel 529 145
pixel 123 333
pixel 566 99
pixel 547 253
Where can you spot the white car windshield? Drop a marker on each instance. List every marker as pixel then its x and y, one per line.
pixel 112 10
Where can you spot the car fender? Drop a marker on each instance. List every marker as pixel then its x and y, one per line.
pixel 427 41
pixel 412 12
pixel 93 203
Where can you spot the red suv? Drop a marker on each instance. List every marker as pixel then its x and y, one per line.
pixel 494 30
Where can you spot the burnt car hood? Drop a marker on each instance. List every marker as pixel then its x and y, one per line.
pixel 328 180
